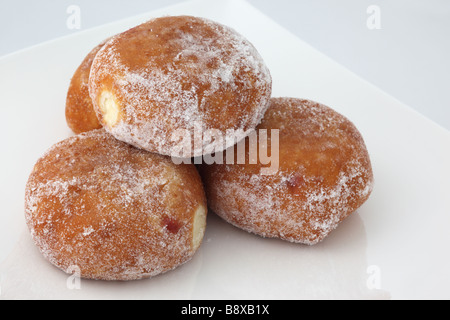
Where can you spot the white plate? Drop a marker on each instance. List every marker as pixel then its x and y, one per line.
pixel 395 246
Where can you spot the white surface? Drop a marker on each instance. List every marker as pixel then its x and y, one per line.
pixel 407 57
pixel 396 242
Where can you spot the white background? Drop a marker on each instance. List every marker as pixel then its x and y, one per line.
pixel 408 57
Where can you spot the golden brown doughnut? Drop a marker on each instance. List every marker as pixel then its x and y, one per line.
pixel 113 211
pixel 80 114
pixel 324 175
pixel 179 73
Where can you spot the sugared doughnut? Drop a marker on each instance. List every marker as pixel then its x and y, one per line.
pixel 179 75
pixel 324 174
pixel 112 211
pixel 80 114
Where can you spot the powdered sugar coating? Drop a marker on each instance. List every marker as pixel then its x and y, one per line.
pixel 181 73
pixel 324 175
pixel 111 210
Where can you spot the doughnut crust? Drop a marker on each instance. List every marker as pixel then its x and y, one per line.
pixel 179 75
pixel 113 211
pixel 80 114
pixel 324 175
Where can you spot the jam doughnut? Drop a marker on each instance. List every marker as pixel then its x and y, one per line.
pixel 179 75
pixel 324 174
pixel 113 211
pixel 80 114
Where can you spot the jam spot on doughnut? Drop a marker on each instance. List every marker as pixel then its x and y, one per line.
pixel 109 107
pixel 171 224
pixel 295 182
